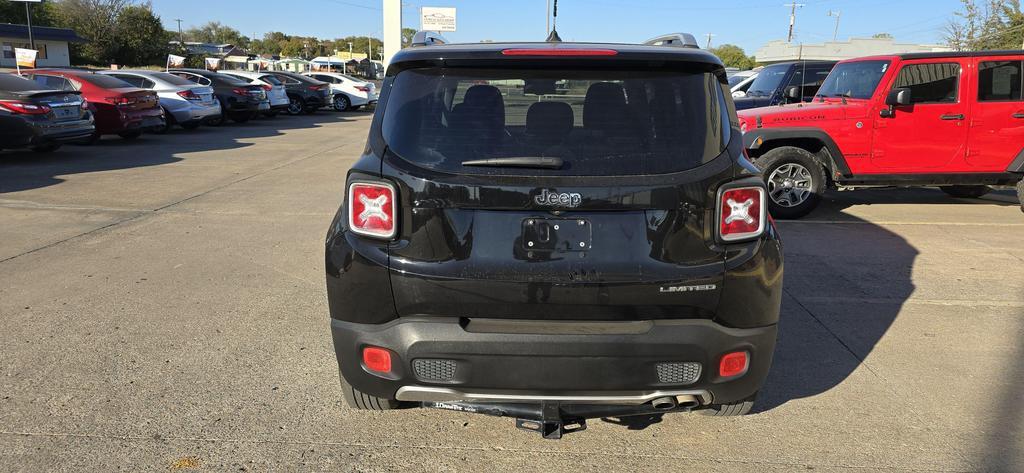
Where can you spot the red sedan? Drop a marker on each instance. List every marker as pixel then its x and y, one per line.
pixel 119 108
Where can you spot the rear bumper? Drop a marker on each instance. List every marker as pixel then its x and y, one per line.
pixel 534 361
pixel 18 133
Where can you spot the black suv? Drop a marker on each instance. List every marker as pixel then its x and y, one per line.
pixel 305 94
pixel 554 232
pixel 787 82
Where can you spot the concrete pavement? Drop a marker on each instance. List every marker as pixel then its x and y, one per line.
pixel 163 309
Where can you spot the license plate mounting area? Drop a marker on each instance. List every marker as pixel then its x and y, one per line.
pixel 560 235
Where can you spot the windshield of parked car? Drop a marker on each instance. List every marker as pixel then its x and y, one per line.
pixel 272 80
pixel 103 81
pixel 856 80
pixel 593 122
pixel 768 80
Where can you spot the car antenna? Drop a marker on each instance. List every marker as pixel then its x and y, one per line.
pixel 553 36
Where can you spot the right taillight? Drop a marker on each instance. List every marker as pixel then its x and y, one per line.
pixel 372 209
pixel 742 213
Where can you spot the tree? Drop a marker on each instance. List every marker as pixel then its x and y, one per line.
pixel 14 12
pixel 734 56
pixel 407 35
pixel 216 33
pixel 142 38
pixel 117 31
pixel 997 24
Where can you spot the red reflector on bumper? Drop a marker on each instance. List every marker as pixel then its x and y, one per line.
pixel 377 359
pixel 733 364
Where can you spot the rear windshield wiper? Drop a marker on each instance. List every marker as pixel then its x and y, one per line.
pixel 537 162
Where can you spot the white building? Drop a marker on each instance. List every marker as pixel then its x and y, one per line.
pixel 781 51
pixel 52 44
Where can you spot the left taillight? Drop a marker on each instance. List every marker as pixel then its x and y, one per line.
pixel 741 213
pixel 24 108
pixel 372 209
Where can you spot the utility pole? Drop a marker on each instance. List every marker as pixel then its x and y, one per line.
pixel 792 18
pixel 28 19
pixel 709 35
pixel 181 37
pixel 836 14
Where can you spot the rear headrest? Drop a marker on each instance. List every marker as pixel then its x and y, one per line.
pixel 604 106
pixel 485 98
pixel 549 119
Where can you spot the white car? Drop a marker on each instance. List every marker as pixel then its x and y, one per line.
pixel 275 88
pixel 739 90
pixel 347 92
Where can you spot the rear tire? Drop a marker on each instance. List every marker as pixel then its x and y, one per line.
pixel 296 106
pixel 966 192
pixel 342 103
pixel 796 180
pixel 738 408
pixel 365 402
pixel 168 124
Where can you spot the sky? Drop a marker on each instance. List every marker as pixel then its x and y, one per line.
pixel 747 23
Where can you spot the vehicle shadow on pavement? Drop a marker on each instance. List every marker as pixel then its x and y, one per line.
pixel 837 201
pixel 25 170
pixel 845 284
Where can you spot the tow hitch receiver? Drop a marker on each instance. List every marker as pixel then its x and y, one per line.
pixel 554 419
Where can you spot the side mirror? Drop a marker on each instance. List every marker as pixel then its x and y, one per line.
pixel 739 94
pixel 898 97
pixel 793 94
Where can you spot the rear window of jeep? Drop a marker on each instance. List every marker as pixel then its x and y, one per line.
pixel 596 122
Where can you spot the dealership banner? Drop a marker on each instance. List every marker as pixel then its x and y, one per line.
pixel 437 19
pixel 175 61
pixel 25 57
pixel 212 63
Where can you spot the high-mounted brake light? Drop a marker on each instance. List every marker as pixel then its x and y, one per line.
pixel 559 52
pixel 741 212
pixel 372 209
pixel 733 364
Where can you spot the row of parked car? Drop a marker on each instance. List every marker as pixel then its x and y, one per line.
pixel 45 108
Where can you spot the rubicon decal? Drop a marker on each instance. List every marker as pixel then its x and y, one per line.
pixel 565 199
pixel 697 288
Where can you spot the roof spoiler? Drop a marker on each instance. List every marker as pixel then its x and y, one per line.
pixel 428 38
pixel 676 40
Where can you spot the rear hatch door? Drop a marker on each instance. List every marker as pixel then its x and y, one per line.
pixel 556 194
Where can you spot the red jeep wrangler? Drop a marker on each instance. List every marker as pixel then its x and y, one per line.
pixel 953 120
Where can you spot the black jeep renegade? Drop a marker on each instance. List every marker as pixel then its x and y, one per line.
pixel 554 232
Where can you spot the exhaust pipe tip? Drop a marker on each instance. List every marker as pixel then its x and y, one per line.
pixel 664 403
pixel 687 401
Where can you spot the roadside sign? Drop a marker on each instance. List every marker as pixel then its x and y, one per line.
pixel 437 19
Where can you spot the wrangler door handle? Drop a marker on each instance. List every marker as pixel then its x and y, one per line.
pixel 958 116
pixel 1018 115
